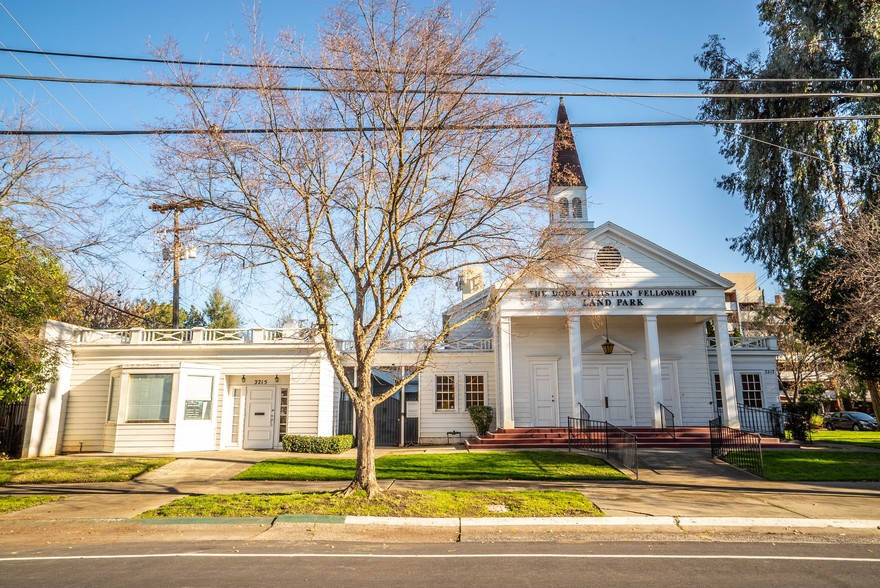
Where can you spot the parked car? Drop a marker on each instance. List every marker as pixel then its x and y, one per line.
pixel 855 421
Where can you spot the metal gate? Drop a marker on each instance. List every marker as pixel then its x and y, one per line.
pixel 386 416
pixel 12 417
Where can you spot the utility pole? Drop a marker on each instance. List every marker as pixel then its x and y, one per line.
pixel 176 208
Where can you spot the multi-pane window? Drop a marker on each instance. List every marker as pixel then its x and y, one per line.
pixel 445 392
pixel 751 390
pixel 719 401
pixel 474 391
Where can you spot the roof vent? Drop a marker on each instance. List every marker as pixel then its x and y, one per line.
pixel 608 257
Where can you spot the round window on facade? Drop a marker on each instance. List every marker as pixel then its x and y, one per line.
pixel 608 257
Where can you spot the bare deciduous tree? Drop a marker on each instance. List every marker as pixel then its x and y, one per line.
pixel 431 177
pixel 41 191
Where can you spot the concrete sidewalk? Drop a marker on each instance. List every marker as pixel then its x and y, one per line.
pixel 677 483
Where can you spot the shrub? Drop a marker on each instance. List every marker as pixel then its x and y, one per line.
pixel 309 444
pixel 482 417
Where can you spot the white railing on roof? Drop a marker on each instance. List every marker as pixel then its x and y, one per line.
pixel 746 343
pixel 421 344
pixel 114 336
pixel 196 336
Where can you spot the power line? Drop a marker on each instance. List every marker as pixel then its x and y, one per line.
pixel 595 125
pixel 534 76
pixel 525 93
pixel 64 76
pixel 146 320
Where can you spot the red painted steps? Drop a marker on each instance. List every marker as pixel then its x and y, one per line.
pixel 557 437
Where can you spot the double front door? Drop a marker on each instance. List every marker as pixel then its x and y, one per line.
pixel 607 392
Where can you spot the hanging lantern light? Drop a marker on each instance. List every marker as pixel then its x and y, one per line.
pixel 243 379
pixel 607 346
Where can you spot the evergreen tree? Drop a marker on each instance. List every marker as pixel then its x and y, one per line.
pixel 803 191
pixel 32 291
pixel 219 312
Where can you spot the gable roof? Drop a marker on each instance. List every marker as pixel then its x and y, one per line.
pixel 667 256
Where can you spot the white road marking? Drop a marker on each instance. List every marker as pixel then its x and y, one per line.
pixel 442 556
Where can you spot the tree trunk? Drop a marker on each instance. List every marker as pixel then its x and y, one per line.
pixel 365 472
pixel 874 388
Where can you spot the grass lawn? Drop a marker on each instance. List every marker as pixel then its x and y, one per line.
pixel 485 465
pixel 394 503
pixel 821 466
pixel 863 438
pixel 13 503
pixel 51 471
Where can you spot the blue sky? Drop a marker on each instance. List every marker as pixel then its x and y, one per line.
pixel 658 182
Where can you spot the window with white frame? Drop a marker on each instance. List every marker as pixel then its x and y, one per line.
pixel 149 398
pixel 197 397
pixel 751 390
pixel 474 391
pixel 113 399
pixel 444 391
pixel 719 399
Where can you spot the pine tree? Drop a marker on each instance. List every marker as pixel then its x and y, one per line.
pixel 219 312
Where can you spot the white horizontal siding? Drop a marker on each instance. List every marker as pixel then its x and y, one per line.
pixel 84 427
pixel 434 424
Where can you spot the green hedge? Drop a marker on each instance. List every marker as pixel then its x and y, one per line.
pixel 309 444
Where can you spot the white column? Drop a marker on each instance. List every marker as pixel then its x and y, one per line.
pixel 729 412
pixel 574 352
pixel 655 375
pixel 505 379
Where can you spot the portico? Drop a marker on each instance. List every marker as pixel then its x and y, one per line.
pixel 651 304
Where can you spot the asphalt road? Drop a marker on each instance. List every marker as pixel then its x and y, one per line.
pixel 264 563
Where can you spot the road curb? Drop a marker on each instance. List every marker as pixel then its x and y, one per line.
pixel 685 523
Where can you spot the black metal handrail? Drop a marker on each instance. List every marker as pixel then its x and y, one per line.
pixel 617 445
pixel 738 448
pixel 667 419
pixel 585 414
pixel 766 421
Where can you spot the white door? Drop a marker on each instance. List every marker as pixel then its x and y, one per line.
pixel 594 397
pixel 607 393
pixel 259 423
pixel 671 396
pixel 617 391
pixel 544 390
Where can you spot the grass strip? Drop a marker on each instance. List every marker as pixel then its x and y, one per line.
pixel 57 471
pixel 484 465
pixel 14 503
pixel 860 438
pixel 821 466
pixel 391 503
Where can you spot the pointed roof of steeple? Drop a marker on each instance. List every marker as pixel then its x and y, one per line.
pixel 565 168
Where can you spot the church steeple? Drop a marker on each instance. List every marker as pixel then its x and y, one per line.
pixel 565 168
pixel 567 189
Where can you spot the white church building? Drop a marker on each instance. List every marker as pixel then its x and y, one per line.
pixel 624 344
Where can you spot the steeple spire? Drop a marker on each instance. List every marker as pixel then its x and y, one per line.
pixel 565 168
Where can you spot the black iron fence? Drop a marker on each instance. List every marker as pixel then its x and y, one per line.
pixel 766 421
pixel 12 418
pixel 667 419
pixel 739 448
pixel 618 446
pixel 585 414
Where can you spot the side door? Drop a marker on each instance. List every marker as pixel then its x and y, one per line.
pixel 545 394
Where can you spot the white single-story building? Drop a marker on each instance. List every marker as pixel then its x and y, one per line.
pixel 622 341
